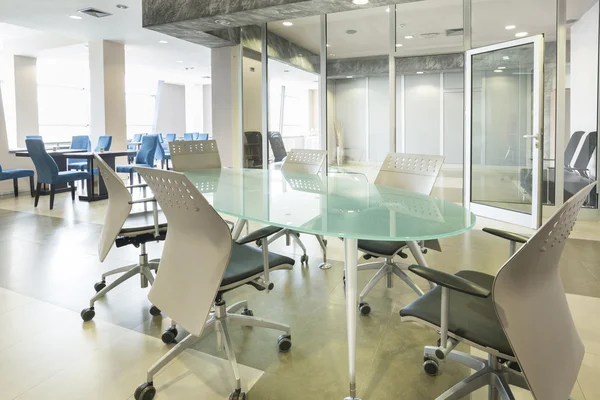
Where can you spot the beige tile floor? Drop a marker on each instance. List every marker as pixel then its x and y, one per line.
pixel 46 352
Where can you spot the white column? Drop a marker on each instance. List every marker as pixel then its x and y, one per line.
pixel 107 92
pixel 225 105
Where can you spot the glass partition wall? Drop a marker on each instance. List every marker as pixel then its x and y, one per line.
pixel 364 82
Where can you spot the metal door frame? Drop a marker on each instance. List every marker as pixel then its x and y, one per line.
pixel 534 219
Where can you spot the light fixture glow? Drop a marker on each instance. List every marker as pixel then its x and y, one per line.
pixel 163 42
pixel 349 77
pixel 288 23
pixel 360 2
pixel 180 62
pixel 420 73
pixel 506 58
pixel 328 45
pixel 409 37
pixel 497 70
pixel 509 27
pixel 398 44
pixel 501 67
pixel 521 34
pixel 387 9
pixel 74 17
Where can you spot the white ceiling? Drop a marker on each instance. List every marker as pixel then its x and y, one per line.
pixel 423 17
pixel 125 26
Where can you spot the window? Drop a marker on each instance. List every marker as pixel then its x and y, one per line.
pixel 140 113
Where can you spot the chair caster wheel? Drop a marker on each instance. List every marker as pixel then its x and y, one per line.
pixel 169 336
pixel 145 391
pixel 424 251
pixel 88 314
pixel 155 311
pixel 364 308
pixel 284 342
pixel 304 259
pixel 238 395
pixel 431 366
pixel 98 286
pixel 247 312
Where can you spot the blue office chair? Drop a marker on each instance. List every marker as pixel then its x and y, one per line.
pixel 104 143
pixel 47 171
pixel 81 142
pixel 201 136
pixel 15 174
pixel 170 137
pixel 188 136
pixel 163 155
pixel 144 157
pixel 137 137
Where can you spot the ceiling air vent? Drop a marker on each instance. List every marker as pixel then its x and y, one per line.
pixel 454 32
pixel 94 12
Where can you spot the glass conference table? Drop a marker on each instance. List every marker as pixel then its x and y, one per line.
pixel 339 205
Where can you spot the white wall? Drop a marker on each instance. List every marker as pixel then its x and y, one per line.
pixel 169 111
pixel 194 111
pixel 252 81
pixel 422 114
pixel 207 109
pixel 584 72
pixel 379 117
pixel 351 113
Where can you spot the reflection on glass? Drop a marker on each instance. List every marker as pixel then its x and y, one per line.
pixel 252 96
pixel 293 71
pixel 358 89
pixel 501 115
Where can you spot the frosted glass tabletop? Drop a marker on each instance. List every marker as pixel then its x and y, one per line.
pixel 339 205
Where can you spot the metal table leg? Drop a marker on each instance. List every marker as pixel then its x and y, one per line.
pixel 351 255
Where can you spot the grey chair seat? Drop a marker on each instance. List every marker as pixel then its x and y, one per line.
pixel 472 318
pixel 247 262
pixel 380 247
pixel 141 222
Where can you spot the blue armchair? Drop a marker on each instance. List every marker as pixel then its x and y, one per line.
pixel 170 137
pixel 163 155
pixel 137 137
pixel 104 143
pixel 33 137
pixel 201 136
pixel 188 136
pixel 144 157
pixel 15 174
pixel 47 171
pixel 81 142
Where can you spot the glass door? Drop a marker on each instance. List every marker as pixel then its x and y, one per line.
pixel 503 135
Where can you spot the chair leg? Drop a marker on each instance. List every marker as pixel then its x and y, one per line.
pixel 131 179
pixel 139 178
pixel 73 191
pixel 38 189
pixel 31 186
pixel 16 187
pixel 52 192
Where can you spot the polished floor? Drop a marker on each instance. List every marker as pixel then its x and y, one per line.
pixel 49 263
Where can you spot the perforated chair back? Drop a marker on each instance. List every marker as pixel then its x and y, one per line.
pixel 192 155
pixel 304 161
pixel 532 307
pixel 413 172
pixel 196 251
pixel 118 207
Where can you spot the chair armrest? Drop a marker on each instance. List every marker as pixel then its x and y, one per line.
pixel 513 237
pixel 450 281
pixel 259 234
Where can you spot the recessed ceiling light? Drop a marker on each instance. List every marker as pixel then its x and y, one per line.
pixel 122 6
pixel 328 45
pixel 74 17
pixel 420 73
pixel 521 34
pixel 409 37
pixel 387 9
pixel 509 27
pixel 333 55
pixel 501 67
pixel 222 22
pixel 360 2
pixel 506 58
pixel 288 23
pixel 163 42
pixel 349 77
pixel 398 44
pixel 180 62
pixel 497 70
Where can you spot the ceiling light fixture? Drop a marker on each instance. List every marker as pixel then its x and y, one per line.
pixel 180 62
pixel 222 22
pixel 506 58
pixel 360 2
pixel 349 77
pixel 521 34
pixel 333 55
pixel 74 17
pixel 497 70
pixel 420 73
pixel 409 37
pixel 122 6
pixel 328 45
pixel 387 9
pixel 398 44
pixel 288 23
pixel 501 67
pixel 163 42
pixel 509 27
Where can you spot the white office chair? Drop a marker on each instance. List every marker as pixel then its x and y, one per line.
pixel 198 265
pixel 298 161
pixel 121 227
pixel 193 155
pixel 415 173
pixel 521 318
